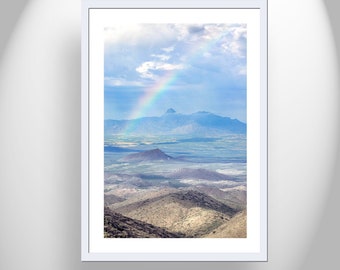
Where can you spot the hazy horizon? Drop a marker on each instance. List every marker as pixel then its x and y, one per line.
pixel 165 111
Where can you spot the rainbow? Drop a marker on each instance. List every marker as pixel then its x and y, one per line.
pixel 155 91
pixel 151 95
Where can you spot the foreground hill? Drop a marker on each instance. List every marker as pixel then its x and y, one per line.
pixel 235 197
pixel 112 199
pixel 203 123
pixel 192 213
pixel 236 227
pixel 119 226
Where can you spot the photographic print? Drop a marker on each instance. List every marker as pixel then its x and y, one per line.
pixel 174 130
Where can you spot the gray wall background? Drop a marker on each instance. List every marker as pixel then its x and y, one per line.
pixel 40 138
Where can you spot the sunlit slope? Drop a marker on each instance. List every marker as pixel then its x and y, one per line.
pixel 119 226
pixel 192 213
pixel 236 227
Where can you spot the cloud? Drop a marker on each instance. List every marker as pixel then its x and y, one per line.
pixel 146 69
pixel 142 35
pixel 226 39
pixel 113 82
pixel 235 41
pixel 162 57
pixel 205 54
pixel 196 29
pixel 168 49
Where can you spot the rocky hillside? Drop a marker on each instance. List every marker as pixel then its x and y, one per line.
pixel 119 226
pixel 236 227
pixel 192 213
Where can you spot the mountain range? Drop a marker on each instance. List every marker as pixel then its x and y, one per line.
pixel 171 122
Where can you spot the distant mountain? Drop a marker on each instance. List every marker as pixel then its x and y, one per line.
pixel 171 122
pixel 119 226
pixel 150 155
pixel 111 199
pixel 185 173
pixel 171 110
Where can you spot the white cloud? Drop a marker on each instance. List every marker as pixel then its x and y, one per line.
pixel 146 51
pixel 234 48
pixel 228 38
pixel 162 57
pixel 111 81
pixel 239 32
pixel 169 49
pixel 167 66
pixel 146 68
pixel 142 34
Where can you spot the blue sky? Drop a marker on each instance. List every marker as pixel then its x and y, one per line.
pixel 189 67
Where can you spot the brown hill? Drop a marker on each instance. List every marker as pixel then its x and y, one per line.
pixel 188 212
pixel 236 227
pixel 119 226
pixel 185 173
pixel 111 199
pixel 187 198
pixel 192 198
pixel 235 197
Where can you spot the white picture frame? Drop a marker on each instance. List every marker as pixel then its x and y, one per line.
pixel 97 15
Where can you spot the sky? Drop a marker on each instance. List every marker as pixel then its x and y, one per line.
pixel 149 68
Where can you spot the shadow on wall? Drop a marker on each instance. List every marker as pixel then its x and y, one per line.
pixel 9 15
pixel 332 8
pixel 323 249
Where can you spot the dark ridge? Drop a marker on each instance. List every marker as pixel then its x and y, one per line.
pixel 111 199
pixel 188 199
pixel 119 226
pixel 171 110
pixel 150 155
pixel 199 199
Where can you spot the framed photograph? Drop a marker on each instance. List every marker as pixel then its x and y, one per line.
pixel 174 130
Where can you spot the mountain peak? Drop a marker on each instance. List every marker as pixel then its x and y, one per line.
pixel 149 155
pixel 172 122
pixel 171 110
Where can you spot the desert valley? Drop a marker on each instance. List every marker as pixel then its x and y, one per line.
pixel 175 176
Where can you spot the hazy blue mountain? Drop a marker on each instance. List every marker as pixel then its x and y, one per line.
pixel 171 122
pixel 150 155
